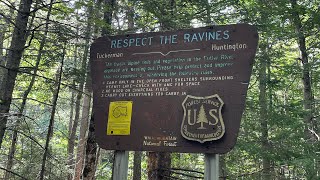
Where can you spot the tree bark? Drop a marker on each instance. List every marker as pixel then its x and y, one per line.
pixel 130 16
pixel 72 133
pixel 2 57
pixel 91 153
pixel 307 91
pixel 3 28
pixel 82 135
pixel 73 124
pixel 223 170
pixel 15 52
pixel 70 148
pixel 137 165
pixel 72 102
pixel 51 122
pixel 310 124
pixel 263 112
pixel 72 136
pixel 2 74
pixel 86 105
pixel 73 86
pixel 107 16
pixel 91 145
pixel 27 91
pixel 158 165
pixel 209 20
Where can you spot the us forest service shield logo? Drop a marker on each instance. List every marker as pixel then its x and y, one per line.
pixel 202 119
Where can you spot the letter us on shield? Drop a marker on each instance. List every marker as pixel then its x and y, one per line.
pixel 202 118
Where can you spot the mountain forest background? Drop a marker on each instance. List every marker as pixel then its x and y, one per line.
pixel 46 129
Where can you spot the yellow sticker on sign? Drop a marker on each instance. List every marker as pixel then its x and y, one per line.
pixel 119 119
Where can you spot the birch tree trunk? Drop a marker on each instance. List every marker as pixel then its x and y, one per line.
pixel 91 145
pixel 15 52
pixel 91 153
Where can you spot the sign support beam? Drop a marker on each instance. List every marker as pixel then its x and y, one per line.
pixel 211 170
pixel 120 165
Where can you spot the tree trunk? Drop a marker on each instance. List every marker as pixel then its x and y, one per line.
pixel 309 123
pixel 2 74
pixel 263 112
pixel 223 171
pixel 72 133
pixel 3 28
pixel 27 91
pixel 107 16
pixel 72 102
pixel 91 153
pixel 158 165
pixel 307 91
pixel 53 110
pixel 130 16
pixel 73 91
pixel 137 165
pixel 72 136
pixel 73 120
pixel 86 105
pixel 18 41
pixel 208 19
pixel 91 145
pixel 82 135
pixel 70 153
pixel 2 57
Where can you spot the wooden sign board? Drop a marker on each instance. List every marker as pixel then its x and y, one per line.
pixel 177 91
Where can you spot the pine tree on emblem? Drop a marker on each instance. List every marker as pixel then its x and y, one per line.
pixel 202 117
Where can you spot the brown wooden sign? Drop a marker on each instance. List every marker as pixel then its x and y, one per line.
pixel 177 91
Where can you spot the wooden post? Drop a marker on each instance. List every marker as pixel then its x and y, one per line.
pixel 211 170
pixel 120 165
